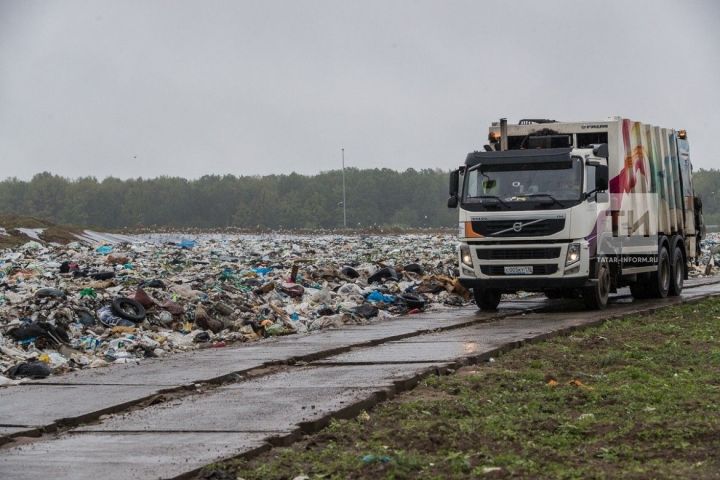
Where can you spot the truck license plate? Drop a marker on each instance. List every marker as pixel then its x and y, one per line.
pixel 519 270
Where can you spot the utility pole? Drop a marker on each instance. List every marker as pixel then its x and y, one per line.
pixel 343 178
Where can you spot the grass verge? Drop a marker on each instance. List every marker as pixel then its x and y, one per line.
pixel 633 398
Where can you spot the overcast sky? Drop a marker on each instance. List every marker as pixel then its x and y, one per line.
pixel 148 88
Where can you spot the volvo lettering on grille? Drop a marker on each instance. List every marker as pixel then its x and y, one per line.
pixel 518 226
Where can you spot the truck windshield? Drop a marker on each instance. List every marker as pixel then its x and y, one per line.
pixel 507 185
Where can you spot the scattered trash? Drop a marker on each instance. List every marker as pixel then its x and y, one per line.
pixel 109 319
pixel 49 292
pixel 82 305
pixel 35 369
pixel 709 257
pixel 413 300
pixel 376 296
pixel 349 272
pixel 365 310
pixel 368 459
pixel 486 470
pixel 187 244
pixel 104 249
pixel 414 268
pixel 579 384
pixel 383 274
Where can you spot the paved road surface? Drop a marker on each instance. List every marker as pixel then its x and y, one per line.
pixel 167 417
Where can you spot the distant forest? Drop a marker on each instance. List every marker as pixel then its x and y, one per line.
pixel 375 197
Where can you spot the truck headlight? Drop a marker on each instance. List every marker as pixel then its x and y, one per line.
pixel 573 254
pixel 465 256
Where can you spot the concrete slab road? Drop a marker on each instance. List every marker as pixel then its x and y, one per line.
pixel 48 403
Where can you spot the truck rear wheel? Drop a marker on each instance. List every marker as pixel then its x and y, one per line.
pixel 660 279
pixel 486 299
pixel 596 297
pixel 677 273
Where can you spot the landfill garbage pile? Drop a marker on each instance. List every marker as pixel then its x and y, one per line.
pixel 82 305
pixel 709 259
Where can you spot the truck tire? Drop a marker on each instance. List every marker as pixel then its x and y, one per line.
pixel 660 279
pixel 596 297
pixel 677 272
pixel 486 299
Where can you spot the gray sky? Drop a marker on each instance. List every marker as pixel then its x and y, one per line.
pixel 148 88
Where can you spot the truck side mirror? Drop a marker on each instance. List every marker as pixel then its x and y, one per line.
pixel 454 180
pixel 601 178
pixel 698 203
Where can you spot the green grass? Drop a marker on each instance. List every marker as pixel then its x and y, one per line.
pixel 634 398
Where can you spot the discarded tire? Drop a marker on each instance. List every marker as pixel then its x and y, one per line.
pixel 382 275
pixel 128 309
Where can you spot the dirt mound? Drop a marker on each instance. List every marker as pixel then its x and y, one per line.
pixel 16 230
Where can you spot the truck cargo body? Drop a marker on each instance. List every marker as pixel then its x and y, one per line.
pixel 577 209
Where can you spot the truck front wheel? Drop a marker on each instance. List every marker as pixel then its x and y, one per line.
pixel 486 299
pixel 596 297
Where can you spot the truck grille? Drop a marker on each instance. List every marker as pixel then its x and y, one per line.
pixel 518 253
pixel 491 228
pixel 499 270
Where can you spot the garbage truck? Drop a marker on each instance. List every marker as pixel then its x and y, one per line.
pixel 577 210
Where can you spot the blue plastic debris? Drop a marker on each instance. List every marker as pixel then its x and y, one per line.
pixel 376 459
pixel 376 296
pixel 262 271
pixel 104 249
pixel 187 244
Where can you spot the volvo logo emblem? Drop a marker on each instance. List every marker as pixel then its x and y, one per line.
pixel 517 226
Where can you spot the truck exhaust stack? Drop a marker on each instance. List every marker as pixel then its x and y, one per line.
pixel 503 134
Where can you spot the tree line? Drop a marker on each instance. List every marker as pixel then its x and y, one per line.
pixel 375 197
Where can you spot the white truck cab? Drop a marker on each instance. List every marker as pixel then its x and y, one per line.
pixel 539 211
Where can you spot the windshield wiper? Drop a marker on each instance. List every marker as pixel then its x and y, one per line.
pixel 535 195
pixel 494 197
